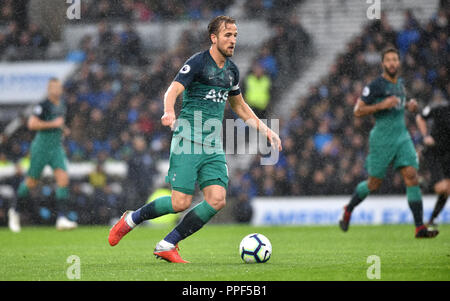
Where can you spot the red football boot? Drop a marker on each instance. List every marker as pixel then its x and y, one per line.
pixel 423 232
pixel 119 230
pixel 344 222
pixel 169 254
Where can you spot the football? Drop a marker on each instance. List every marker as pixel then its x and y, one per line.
pixel 255 248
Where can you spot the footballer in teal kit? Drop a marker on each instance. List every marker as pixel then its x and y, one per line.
pixel 207 80
pixel 389 141
pixel 47 149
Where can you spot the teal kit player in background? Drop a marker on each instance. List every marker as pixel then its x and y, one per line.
pixel 389 141
pixel 207 80
pixel 46 149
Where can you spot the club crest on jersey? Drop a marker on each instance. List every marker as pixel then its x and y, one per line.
pixel 185 69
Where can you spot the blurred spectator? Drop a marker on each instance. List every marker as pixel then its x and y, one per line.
pixel 6 11
pixel 131 52
pixel 242 210
pixel 140 170
pixel 257 91
pixel 323 138
pixel 98 178
pixel 268 61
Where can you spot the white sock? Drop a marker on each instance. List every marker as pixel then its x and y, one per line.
pixel 163 244
pixel 129 220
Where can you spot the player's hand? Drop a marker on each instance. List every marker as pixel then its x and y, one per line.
pixel 389 102
pixel 274 139
pixel 168 119
pixel 58 122
pixel 428 140
pixel 412 105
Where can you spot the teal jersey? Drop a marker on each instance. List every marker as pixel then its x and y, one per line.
pixel 207 88
pixel 47 111
pixel 390 127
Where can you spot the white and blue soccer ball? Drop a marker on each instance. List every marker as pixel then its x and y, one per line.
pixel 255 248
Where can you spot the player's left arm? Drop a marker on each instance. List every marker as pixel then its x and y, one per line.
pixel 243 110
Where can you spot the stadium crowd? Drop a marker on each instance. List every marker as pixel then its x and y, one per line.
pixel 152 10
pixel 324 145
pixel 21 43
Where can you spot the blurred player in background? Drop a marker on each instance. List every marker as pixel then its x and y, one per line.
pixel 437 151
pixel 46 149
pixel 208 79
pixel 389 141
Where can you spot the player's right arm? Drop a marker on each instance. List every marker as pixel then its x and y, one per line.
pixel 363 109
pixel 170 97
pixel 36 122
pixel 367 104
pixel 184 77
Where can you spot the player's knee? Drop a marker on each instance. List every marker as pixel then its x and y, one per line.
pixel 217 201
pixel 448 187
pixel 181 202
pixel 63 182
pixel 442 187
pixel 410 177
pixel 374 184
pixel 62 178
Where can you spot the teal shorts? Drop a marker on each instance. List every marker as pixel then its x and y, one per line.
pixel 206 167
pixel 41 155
pixel 381 156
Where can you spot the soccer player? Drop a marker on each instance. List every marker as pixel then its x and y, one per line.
pixel 46 149
pixel 207 80
pixel 389 140
pixel 437 151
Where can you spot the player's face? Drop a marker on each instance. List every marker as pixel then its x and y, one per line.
pixel 226 39
pixel 55 88
pixel 391 64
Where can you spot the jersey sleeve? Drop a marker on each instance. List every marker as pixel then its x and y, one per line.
pixel 235 89
pixel 370 93
pixel 431 111
pixel 40 111
pixel 190 69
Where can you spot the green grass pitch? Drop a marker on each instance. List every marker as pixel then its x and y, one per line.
pixel 299 253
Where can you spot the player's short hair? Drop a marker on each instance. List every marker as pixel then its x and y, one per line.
pixel 214 25
pixel 53 79
pixel 389 49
